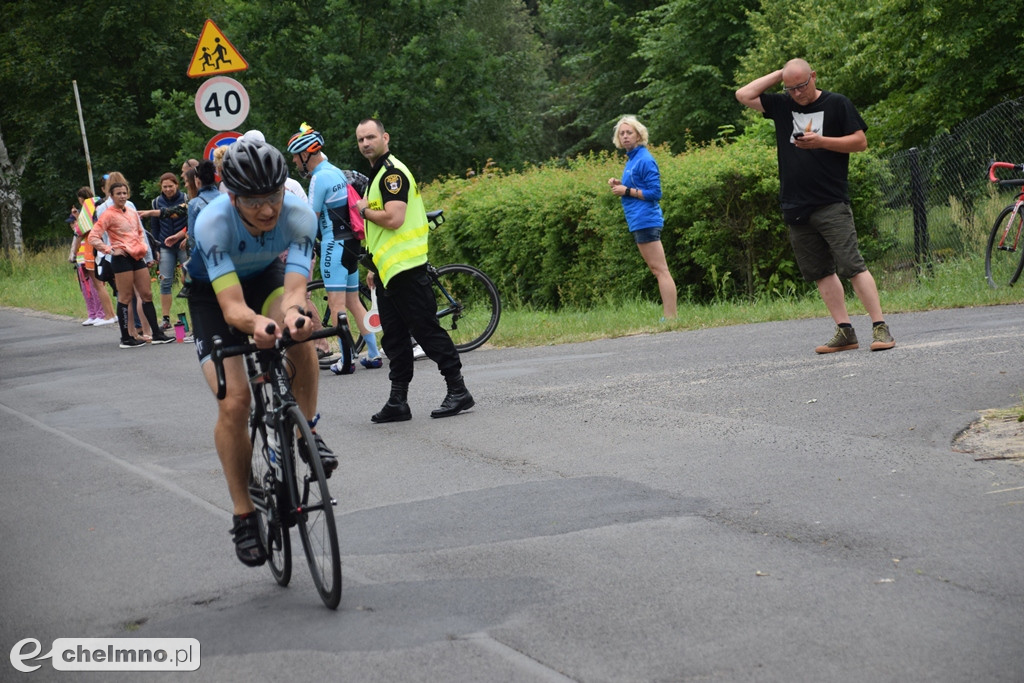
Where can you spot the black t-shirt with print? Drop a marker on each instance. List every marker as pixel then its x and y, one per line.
pixel 812 177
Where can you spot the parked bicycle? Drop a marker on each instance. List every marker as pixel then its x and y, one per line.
pixel 1004 252
pixel 469 306
pixel 287 483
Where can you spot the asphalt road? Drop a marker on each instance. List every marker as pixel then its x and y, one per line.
pixel 720 504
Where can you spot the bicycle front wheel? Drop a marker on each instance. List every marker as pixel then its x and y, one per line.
pixel 1004 255
pixel 264 487
pixel 315 511
pixel 468 305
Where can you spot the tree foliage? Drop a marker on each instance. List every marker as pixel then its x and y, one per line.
pixel 914 68
pixel 463 85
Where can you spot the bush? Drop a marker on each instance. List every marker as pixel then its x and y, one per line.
pixel 554 236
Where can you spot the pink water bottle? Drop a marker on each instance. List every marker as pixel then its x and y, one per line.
pixel 179 332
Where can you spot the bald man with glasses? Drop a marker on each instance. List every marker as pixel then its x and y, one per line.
pixel 815 133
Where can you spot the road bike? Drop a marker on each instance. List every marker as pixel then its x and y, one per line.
pixel 469 307
pixel 287 482
pixel 1004 252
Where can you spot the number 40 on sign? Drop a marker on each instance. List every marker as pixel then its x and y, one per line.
pixel 222 103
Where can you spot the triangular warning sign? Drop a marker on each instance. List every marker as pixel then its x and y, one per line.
pixel 214 54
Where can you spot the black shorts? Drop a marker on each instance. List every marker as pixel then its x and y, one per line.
pixel 126 264
pixel 259 291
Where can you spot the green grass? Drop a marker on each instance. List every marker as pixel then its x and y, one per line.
pixel 46 282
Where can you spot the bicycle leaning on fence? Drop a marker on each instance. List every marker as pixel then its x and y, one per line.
pixel 469 306
pixel 287 482
pixel 1004 252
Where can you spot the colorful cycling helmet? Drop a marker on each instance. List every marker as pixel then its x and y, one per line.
pixel 253 168
pixel 306 140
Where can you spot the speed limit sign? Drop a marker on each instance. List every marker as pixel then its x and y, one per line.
pixel 222 103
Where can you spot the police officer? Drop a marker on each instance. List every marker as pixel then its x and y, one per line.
pixel 396 237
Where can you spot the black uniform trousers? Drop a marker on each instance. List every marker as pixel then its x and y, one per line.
pixel 408 307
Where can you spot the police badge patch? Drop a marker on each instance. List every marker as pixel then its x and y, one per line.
pixel 393 182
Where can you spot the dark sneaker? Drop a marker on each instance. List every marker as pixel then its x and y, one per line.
pixel 339 369
pixel 845 339
pixel 162 339
pixel 246 535
pixel 371 363
pixel 185 291
pixel 881 339
pixel 166 324
pixel 132 343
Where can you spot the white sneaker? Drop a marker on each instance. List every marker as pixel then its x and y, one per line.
pixel 418 352
pixel 89 321
pixel 108 321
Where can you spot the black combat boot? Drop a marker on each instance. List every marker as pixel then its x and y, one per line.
pixel 457 399
pixel 397 407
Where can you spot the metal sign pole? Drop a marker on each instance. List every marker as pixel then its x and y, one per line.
pixel 85 141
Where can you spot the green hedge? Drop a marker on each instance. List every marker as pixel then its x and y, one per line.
pixel 555 236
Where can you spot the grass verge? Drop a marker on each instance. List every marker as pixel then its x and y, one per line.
pixel 44 281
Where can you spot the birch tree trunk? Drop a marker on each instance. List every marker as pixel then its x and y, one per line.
pixel 10 200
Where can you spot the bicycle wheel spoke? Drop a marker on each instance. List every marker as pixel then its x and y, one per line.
pixel 1004 253
pixel 315 514
pixel 262 485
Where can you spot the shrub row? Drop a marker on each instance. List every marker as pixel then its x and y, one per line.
pixel 554 236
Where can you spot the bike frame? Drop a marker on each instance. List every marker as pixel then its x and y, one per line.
pixel 1016 206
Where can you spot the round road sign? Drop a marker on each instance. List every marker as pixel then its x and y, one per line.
pixel 222 103
pixel 219 140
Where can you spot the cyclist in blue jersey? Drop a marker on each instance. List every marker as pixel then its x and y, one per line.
pixel 241 288
pixel 339 248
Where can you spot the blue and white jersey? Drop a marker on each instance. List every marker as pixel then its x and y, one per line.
pixel 327 190
pixel 225 247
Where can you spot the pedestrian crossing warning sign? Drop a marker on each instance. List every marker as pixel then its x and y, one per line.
pixel 214 54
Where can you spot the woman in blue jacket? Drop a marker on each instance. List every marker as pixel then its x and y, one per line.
pixel 640 190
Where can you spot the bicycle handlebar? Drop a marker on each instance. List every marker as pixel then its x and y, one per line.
pixel 1017 182
pixel 220 352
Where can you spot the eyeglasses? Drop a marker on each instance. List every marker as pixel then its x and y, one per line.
pixel 794 88
pixel 258 202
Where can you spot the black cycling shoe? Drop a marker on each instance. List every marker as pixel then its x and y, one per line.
pixel 327 457
pixel 246 535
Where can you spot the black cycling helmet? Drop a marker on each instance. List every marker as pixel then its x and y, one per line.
pixel 251 168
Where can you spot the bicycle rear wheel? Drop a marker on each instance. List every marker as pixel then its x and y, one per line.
pixel 469 307
pixel 263 489
pixel 315 511
pixel 1004 255
pixel 316 297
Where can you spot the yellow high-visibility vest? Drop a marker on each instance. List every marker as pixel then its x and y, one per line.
pixel 395 251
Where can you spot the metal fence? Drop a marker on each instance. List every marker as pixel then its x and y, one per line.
pixel 937 202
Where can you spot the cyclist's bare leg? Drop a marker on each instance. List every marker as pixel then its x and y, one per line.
pixel 303 358
pixel 305 381
pixel 653 254
pixel 358 311
pixel 231 433
pixel 322 344
pixel 336 301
